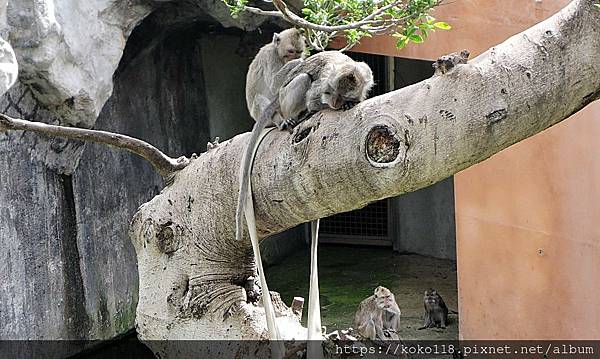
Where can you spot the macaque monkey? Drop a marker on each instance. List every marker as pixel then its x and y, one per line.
pixel 328 79
pixel 331 80
pixel 448 62
pixel 377 315
pixel 436 311
pixel 287 45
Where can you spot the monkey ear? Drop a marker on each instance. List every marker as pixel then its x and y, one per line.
pixel 366 72
pixel 275 38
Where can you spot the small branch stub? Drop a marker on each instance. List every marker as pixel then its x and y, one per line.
pixel 298 306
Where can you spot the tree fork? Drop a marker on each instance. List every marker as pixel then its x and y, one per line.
pixel 339 161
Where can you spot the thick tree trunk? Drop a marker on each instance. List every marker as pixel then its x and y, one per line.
pixel 192 271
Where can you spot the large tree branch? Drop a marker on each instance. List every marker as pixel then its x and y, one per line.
pixel 339 161
pixel 432 129
pixel 164 165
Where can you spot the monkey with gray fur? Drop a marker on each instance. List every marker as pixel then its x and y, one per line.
pixel 328 79
pixel 378 315
pixel 448 62
pixel 436 311
pixel 286 46
pixel 299 89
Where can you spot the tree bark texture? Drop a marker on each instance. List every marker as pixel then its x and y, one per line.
pixel 191 269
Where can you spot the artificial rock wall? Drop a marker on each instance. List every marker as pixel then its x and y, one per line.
pixel 67 268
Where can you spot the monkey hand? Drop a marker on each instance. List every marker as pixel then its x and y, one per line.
pixel 288 125
pixel 348 105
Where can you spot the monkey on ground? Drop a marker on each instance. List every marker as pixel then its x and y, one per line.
pixel 436 311
pixel 378 315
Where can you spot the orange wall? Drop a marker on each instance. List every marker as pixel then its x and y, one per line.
pixel 476 26
pixel 528 219
pixel 528 237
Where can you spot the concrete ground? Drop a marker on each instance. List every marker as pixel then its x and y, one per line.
pixel 348 274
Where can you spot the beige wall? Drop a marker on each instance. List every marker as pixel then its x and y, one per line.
pixel 528 219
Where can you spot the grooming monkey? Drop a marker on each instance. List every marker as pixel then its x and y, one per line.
pixel 436 311
pixel 285 46
pixel 339 82
pixel 328 79
pixel 377 315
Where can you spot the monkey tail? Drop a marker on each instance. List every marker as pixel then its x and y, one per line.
pixel 256 136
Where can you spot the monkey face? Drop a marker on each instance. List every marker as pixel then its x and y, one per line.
pixel 290 44
pixel 431 297
pixel 292 53
pixel 337 93
pixel 332 98
pixel 346 84
pixel 384 298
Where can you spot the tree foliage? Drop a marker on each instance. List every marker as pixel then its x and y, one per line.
pixel 409 21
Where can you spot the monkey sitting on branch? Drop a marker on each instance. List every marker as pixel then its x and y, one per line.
pixel 299 89
pixel 378 316
pixel 285 46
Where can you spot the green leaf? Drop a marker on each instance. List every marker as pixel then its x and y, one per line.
pixel 416 38
pixel 401 44
pixel 442 25
pixel 414 15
